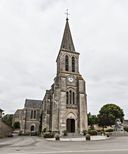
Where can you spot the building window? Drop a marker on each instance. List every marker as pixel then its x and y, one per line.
pixel 34 114
pixel 66 63
pixel 70 94
pixel 73 98
pixel 31 114
pixel 73 64
pixel 67 97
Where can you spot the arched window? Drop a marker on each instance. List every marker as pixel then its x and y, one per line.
pixel 31 114
pixel 67 97
pixel 70 98
pixel 73 98
pixel 73 64
pixel 70 94
pixel 34 114
pixel 66 63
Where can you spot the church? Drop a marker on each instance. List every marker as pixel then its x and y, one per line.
pixel 64 106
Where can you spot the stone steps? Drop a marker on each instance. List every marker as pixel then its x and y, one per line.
pixel 73 135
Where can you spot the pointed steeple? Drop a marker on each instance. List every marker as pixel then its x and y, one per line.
pixel 67 42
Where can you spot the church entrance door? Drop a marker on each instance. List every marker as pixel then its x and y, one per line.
pixel 70 125
pixel 32 128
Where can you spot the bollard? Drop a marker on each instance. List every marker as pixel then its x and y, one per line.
pixel 88 137
pixel 57 137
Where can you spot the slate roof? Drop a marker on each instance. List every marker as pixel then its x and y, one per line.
pixel 30 103
pixel 18 111
pixel 67 42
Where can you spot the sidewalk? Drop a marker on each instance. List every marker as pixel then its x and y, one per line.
pixel 93 138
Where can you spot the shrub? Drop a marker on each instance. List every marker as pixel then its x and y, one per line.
pixel 48 135
pixel 16 125
pixel 84 132
pixel 92 132
pixel 44 130
pixel 126 128
pixel 99 132
pixel 109 130
pixel 65 133
pixel 92 127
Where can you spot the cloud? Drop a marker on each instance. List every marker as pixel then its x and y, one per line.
pixel 31 33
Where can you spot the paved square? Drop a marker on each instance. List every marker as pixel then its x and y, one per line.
pixel 37 145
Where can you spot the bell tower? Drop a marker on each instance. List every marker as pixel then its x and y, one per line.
pixel 72 98
pixel 68 58
pixel 66 101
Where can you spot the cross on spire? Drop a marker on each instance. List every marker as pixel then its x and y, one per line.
pixel 67 14
pixel 67 42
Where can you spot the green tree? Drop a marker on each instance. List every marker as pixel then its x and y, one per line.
pixel 108 114
pixel 16 125
pixel 92 119
pixel 7 119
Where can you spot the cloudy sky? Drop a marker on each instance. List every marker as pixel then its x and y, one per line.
pixel 30 37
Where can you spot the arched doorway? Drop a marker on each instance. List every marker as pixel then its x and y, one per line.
pixel 32 128
pixel 70 124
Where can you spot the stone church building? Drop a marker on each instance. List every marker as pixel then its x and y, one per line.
pixel 64 106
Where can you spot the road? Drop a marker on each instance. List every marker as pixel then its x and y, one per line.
pixel 37 145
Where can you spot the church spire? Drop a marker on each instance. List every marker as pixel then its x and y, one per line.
pixel 67 42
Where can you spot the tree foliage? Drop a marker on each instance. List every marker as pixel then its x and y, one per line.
pixel 92 119
pixel 16 125
pixel 7 119
pixel 108 114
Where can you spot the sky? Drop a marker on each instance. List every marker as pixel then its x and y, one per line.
pixel 30 37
